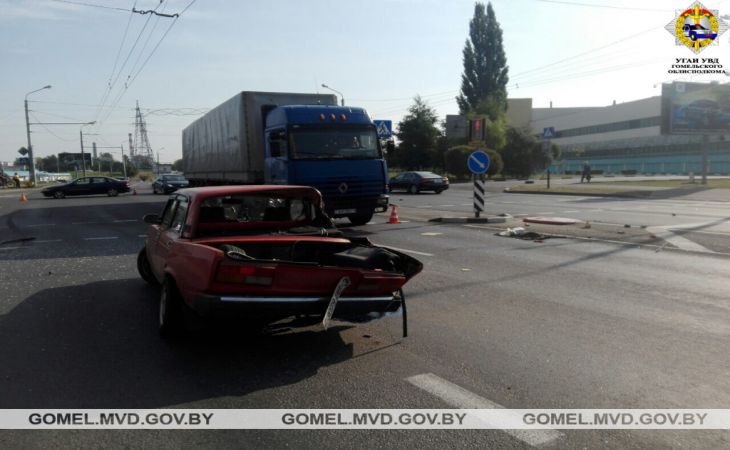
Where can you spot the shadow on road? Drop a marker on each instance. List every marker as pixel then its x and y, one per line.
pixel 96 346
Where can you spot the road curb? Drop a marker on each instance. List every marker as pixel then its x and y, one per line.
pixel 633 194
pixel 469 219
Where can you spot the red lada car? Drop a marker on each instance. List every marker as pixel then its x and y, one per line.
pixel 266 253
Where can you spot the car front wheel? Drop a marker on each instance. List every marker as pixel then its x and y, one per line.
pixel 112 192
pixel 144 268
pixel 413 189
pixel 59 194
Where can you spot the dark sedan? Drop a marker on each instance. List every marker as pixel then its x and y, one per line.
pixel 415 182
pixel 166 184
pixel 88 186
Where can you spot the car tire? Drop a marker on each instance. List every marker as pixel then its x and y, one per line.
pixel 438 191
pixel 59 194
pixel 144 268
pixel 154 190
pixel 360 219
pixel 413 189
pixel 112 192
pixel 170 319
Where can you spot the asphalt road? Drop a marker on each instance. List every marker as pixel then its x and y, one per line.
pixel 559 324
pixel 703 222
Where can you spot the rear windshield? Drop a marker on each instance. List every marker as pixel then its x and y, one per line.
pixel 255 208
pixel 174 178
pixel 428 175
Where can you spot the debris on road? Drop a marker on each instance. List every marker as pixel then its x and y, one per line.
pixel 521 233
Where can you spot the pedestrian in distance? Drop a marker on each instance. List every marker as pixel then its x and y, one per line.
pixel 16 179
pixel 585 173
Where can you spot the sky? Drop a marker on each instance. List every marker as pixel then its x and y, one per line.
pixel 101 59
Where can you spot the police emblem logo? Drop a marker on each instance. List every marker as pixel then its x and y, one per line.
pixel 697 27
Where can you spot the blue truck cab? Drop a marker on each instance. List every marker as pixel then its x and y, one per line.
pixel 332 148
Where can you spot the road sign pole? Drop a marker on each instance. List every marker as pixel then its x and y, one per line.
pixel 478 181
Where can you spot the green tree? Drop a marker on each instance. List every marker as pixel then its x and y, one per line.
pixel 456 158
pixel 418 135
pixel 523 154
pixel 484 81
pixel 178 165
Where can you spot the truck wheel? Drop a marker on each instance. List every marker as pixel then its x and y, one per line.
pixel 144 268
pixel 170 316
pixel 360 219
pixel 413 189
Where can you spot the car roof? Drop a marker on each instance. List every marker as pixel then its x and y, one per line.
pixel 217 191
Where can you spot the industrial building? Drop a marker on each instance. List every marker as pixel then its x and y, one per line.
pixel 618 138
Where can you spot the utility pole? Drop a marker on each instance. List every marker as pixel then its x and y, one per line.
pixel 124 164
pixel 27 132
pixel 81 136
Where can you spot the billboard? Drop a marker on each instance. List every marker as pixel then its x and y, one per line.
pixel 74 159
pixel 695 108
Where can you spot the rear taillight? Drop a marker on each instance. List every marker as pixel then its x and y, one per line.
pixel 246 274
pixel 426 181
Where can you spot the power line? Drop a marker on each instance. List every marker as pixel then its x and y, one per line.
pixel 593 5
pixel 49 130
pixel 93 5
pixel 116 61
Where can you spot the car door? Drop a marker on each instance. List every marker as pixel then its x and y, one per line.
pixel 82 186
pixel 155 235
pixel 397 182
pixel 170 232
pixel 100 185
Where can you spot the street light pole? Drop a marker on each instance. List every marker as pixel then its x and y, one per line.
pixel 31 165
pixel 81 138
pixel 342 97
pixel 124 164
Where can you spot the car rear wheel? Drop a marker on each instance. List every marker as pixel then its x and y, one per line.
pixel 59 194
pixel 360 219
pixel 144 268
pixel 112 192
pixel 413 189
pixel 170 313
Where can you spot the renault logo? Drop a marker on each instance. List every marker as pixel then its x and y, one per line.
pixel 343 188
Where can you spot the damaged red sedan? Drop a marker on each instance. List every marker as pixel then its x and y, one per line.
pixel 266 254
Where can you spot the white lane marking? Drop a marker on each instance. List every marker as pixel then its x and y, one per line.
pixel 125 220
pixel 440 206
pixel 571 211
pixel 142 235
pixel 546 212
pixel 42 225
pixel 465 204
pixel 405 250
pixel 678 241
pixel 11 248
pixel 425 206
pixel 459 397
pixel 101 238
pixel 83 223
pixel 47 241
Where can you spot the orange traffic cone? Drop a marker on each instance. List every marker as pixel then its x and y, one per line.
pixel 394 215
pixel 23 198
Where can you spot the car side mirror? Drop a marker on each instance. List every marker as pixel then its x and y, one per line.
pixel 153 219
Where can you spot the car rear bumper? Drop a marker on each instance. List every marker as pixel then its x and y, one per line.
pixel 354 308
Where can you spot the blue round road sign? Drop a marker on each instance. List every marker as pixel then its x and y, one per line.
pixel 478 162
